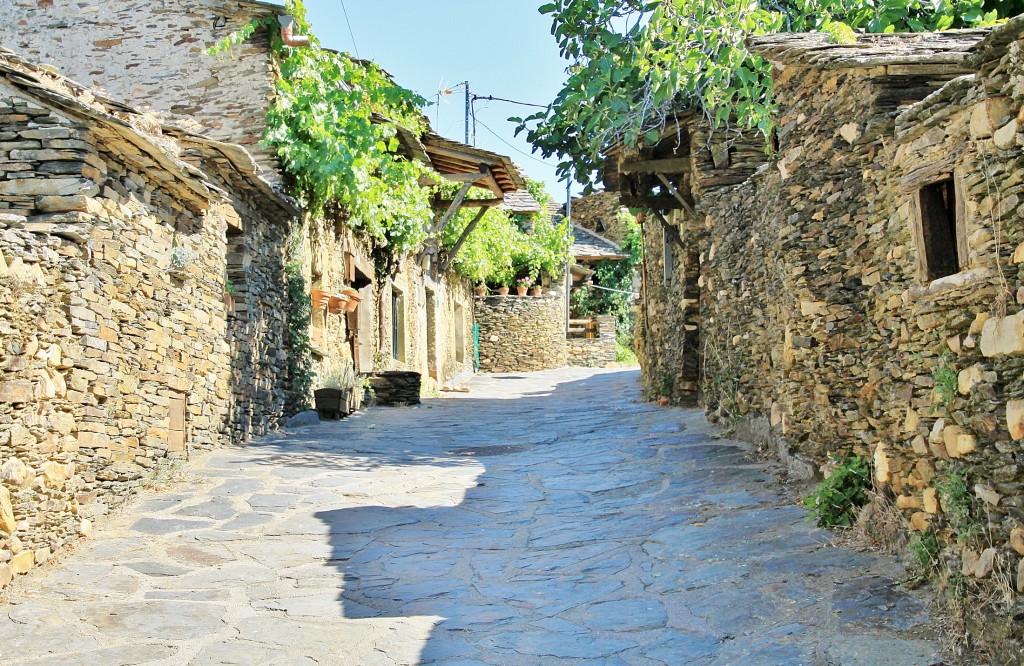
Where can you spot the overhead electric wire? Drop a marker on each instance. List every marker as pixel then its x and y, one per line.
pixel 510 101
pixel 525 154
pixel 351 33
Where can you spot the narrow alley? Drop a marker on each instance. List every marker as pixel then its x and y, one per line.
pixel 549 518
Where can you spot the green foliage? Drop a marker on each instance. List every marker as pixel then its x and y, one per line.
pixel 334 123
pixel 300 362
pixel 625 354
pixel 945 382
pixel 616 275
pixel 499 249
pixel 836 500
pixel 635 64
pixel 955 495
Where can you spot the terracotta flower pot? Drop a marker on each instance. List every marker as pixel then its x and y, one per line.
pixel 337 304
pixel 320 299
pixel 535 291
pixel 480 291
pixel 503 291
pixel 522 289
pixel 229 302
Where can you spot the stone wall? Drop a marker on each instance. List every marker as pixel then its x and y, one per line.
pixel 521 333
pixel 599 213
pixel 596 352
pixel 819 324
pixel 115 350
pixel 100 342
pixel 151 54
pixel 435 340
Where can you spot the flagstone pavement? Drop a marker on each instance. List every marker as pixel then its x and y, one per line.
pixel 544 518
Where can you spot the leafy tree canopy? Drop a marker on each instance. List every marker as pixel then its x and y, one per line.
pixel 634 63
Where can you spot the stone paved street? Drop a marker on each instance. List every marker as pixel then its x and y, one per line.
pixel 549 518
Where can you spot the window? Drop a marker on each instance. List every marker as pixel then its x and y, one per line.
pixel 397 325
pixel 942 245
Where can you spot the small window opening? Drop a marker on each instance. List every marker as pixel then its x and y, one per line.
pixel 939 229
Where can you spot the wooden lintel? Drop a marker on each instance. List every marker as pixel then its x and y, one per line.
pixel 650 201
pixel 668 165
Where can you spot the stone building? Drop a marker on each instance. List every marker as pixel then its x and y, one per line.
pixel 144 290
pixel 116 344
pixel 860 293
pixel 417 319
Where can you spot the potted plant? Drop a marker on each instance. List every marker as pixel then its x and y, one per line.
pixel 481 290
pixel 523 285
pixel 337 397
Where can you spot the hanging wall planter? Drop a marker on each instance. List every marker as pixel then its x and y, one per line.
pixel 353 299
pixel 337 305
pixel 320 299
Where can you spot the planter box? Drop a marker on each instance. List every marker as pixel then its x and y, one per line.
pixel 332 403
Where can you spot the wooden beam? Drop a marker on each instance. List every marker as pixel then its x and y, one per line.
pixel 672 188
pixel 672 232
pixel 669 165
pixel 459 155
pixel 453 207
pixel 471 203
pixel 466 177
pixel 443 267
pixel 654 202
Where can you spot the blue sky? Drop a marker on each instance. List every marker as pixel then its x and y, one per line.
pixel 504 49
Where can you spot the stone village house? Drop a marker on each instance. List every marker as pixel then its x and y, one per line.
pixel 861 292
pixel 120 233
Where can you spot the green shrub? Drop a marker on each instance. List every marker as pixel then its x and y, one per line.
pixel 836 500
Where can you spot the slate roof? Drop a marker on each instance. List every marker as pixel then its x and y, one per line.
pixel 588 246
pixel 814 49
pixel 138 139
pixel 521 202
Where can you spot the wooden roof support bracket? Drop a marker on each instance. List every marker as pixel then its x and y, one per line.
pixel 452 209
pixel 679 197
pixel 669 229
pixel 447 262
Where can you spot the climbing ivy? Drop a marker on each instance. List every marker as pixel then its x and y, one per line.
pixel 300 361
pixel 634 64
pixel 334 123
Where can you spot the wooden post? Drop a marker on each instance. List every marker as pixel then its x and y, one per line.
pixel 444 265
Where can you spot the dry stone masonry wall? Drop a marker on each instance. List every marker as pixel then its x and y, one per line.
pixel 152 55
pixel 597 352
pixel 114 347
pixel 521 333
pixel 824 326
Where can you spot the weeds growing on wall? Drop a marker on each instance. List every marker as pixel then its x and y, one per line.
pixel 836 500
pixel 957 502
pixel 945 378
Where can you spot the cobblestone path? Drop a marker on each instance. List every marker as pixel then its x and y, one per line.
pixel 540 519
